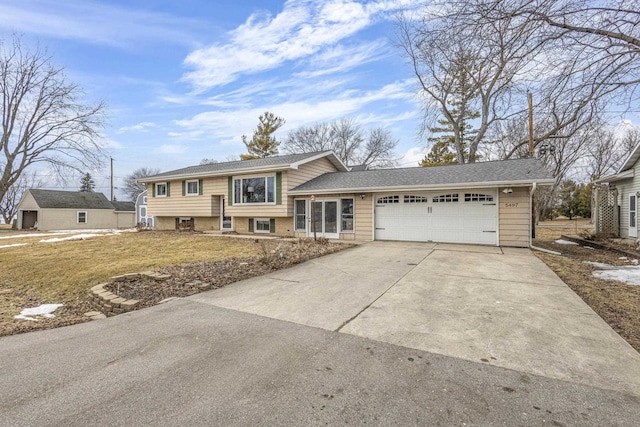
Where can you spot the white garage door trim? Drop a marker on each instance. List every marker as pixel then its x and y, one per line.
pixel 448 216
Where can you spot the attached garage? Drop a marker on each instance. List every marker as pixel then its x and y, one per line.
pixel 486 203
pixel 452 216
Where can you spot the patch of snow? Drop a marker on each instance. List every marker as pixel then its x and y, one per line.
pixel 634 261
pixel 44 310
pixel 20 236
pixel 565 242
pixel 627 274
pixel 98 230
pixel 589 247
pixel 13 245
pixel 623 257
pixel 74 237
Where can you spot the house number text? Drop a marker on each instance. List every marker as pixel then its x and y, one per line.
pixel 510 205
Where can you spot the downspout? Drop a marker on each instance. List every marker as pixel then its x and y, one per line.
pixel 531 225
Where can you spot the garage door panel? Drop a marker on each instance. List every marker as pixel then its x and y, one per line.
pixel 449 220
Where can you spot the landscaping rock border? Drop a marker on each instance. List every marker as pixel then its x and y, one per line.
pixel 109 303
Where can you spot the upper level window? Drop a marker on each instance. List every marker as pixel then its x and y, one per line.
pixel 192 188
pixel 446 198
pixel 82 217
pixel 254 190
pixel 388 199
pixel 161 190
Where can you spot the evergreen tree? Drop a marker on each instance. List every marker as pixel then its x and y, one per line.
pixel 87 184
pixel 454 132
pixel 263 144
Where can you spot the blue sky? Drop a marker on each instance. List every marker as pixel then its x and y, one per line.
pixel 184 80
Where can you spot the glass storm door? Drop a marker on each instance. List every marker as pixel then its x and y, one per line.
pixel 326 219
pixel 226 222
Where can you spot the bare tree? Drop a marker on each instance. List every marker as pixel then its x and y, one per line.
pixel 9 204
pixel 508 51
pixel 374 149
pixel 43 119
pixel 131 187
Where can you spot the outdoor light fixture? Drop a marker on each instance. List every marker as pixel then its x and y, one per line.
pixel 508 190
pixel 362 196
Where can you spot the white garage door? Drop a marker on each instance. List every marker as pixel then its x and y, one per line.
pixel 451 216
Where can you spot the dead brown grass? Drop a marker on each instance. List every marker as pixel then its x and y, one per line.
pixel 617 303
pixel 64 272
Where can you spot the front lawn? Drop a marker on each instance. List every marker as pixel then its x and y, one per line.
pixel 63 272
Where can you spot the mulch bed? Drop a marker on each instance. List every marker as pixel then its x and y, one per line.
pixel 191 279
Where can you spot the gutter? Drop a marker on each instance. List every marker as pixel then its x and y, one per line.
pixel 448 186
pixel 531 225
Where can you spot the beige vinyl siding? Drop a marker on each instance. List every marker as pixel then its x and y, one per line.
pixel 363 217
pixel 125 219
pixel 304 173
pixel 28 203
pixel 514 217
pixel 66 219
pixel 178 205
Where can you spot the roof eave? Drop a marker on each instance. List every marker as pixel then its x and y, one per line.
pixel 617 177
pixel 522 183
pixel 228 172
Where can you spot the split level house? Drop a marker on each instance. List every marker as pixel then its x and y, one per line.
pixel 72 210
pixel 300 195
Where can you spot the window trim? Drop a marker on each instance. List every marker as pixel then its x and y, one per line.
pixel 353 216
pixel 189 181
pixel 296 214
pixel 266 190
pixel 158 184
pixel 255 225
pixel 86 217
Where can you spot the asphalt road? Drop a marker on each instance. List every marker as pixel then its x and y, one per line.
pixel 188 363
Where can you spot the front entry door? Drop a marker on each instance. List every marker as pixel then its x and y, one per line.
pixel 326 219
pixel 633 213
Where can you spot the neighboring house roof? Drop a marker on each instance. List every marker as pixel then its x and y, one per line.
pixel 626 171
pixel 124 206
pixel 289 161
pixel 357 168
pixel 54 199
pixel 496 173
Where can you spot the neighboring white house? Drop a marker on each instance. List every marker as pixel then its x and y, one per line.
pixel 72 210
pixel 142 213
pixel 625 184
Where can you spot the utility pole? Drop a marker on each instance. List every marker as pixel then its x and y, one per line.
pixel 111 178
pixel 530 123
pixel 533 204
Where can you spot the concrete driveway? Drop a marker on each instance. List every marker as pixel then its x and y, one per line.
pixel 502 307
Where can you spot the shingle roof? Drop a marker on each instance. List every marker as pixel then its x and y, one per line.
pixel 503 172
pixel 54 199
pixel 214 168
pixel 124 206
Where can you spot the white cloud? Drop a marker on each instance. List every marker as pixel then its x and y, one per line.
pixel 172 149
pixel 412 157
pixel 342 58
pixel 232 123
pixel 109 143
pixel 140 127
pixel 94 22
pixel 303 28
